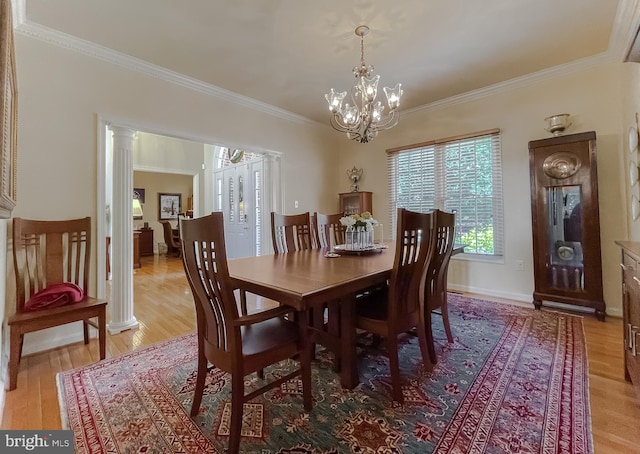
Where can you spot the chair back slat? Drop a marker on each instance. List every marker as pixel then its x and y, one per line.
pixel 291 232
pixel 50 252
pixel 205 262
pixel 328 228
pixel 437 273
pixel 415 245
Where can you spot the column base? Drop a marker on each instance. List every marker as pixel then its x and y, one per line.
pixel 115 328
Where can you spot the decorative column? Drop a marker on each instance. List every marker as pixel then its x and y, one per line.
pixel 121 303
pixel 272 199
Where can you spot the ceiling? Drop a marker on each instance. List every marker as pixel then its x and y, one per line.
pixel 289 53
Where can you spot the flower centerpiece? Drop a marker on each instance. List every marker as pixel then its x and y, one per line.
pixel 359 230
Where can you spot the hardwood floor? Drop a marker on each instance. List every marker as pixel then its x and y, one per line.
pixel 164 309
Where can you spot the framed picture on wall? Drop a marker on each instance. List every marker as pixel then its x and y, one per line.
pixel 8 113
pixel 138 193
pixel 169 206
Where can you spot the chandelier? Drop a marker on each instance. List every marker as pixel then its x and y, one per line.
pixel 362 120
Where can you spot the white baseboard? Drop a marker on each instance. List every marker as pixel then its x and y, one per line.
pixel 39 341
pixel 526 300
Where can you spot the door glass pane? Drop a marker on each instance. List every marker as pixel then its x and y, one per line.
pixel 241 199
pixel 564 231
pixel 232 204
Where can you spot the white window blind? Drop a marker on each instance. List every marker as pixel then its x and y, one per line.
pixel 462 175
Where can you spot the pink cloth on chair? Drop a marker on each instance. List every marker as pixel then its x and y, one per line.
pixel 55 295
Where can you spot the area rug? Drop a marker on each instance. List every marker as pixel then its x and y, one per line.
pixel 514 381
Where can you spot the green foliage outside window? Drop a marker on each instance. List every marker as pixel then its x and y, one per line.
pixel 479 241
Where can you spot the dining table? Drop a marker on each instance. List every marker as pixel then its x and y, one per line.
pixel 309 279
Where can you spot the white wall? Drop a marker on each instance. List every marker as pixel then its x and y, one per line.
pixel 591 94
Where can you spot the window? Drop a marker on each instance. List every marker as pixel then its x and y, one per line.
pixel 462 175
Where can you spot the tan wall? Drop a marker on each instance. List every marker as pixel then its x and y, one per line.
pixel 154 184
pixel 592 95
pixel 62 93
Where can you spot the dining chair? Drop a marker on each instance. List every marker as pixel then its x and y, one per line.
pixel 235 343
pixel 51 261
pixel 436 278
pixel 328 228
pixel 171 239
pixel 315 241
pixel 399 307
pixel 291 232
pixel 326 317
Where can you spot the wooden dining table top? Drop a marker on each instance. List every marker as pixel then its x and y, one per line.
pixel 303 278
pixel 308 279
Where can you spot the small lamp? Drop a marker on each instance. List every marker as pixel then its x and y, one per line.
pixel 137 209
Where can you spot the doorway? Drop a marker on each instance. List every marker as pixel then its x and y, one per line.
pixel 120 170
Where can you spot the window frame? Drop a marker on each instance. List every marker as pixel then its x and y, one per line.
pixel 435 151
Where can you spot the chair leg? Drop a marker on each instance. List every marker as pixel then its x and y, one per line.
pixel 15 352
pixel 333 327
pixel 102 332
pixel 237 403
pixel 85 331
pixel 429 337
pixel 394 367
pixel 200 379
pixel 445 318
pixel 305 361
pixel 424 334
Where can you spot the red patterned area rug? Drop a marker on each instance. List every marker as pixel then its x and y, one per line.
pixel 514 381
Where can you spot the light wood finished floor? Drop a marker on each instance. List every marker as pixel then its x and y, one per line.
pixel 164 309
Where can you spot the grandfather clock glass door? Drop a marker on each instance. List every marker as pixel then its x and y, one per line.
pixel 566 226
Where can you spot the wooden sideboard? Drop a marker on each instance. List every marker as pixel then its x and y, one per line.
pixel 136 249
pixel 630 265
pixel 146 242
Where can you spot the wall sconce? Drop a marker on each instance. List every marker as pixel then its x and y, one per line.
pixel 137 209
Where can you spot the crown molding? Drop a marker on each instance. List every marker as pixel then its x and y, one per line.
pixel 68 42
pixel 625 28
pixel 518 82
pixel 622 36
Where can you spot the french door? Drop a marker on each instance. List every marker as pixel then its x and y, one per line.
pixel 238 194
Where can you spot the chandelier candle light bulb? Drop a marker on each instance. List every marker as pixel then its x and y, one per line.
pixel 362 121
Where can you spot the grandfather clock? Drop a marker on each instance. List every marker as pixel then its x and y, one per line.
pixel 566 225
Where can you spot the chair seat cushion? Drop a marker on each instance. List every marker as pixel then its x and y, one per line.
pixel 267 335
pixel 55 295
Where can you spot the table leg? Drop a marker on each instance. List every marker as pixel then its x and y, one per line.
pixel 349 367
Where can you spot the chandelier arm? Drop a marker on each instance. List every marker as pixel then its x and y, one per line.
pixel 337 125
pixel 354 133
pixel 392 120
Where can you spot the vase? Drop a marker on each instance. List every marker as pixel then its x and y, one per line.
pixel 358 238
